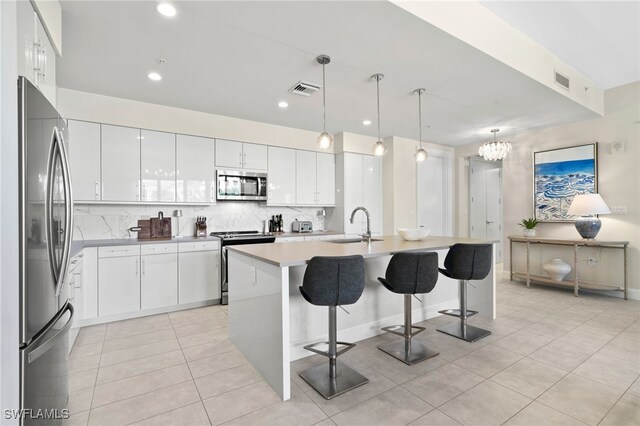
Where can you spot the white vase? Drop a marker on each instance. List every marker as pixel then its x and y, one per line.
pixel 529 232
pixel 557 269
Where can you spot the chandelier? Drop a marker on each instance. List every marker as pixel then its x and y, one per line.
pixel 494 150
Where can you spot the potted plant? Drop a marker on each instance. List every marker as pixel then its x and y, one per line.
pixel 529 226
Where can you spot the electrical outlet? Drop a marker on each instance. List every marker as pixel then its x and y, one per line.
pixel 619 210
pixel 591 260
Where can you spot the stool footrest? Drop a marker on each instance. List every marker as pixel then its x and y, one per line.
pixel 398 330
pixel 345 347
pixel 457 313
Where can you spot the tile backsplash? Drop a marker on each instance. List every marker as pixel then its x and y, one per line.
pixel 94 222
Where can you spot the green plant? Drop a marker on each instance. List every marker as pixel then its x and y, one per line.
pixel 529 223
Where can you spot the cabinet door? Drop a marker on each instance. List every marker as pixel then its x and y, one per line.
pixel 199 276
pixel 254 156
pixel 326 179
pixel 118 285
pixel 372 190
pixel 90 281
pixel 281 183
pixel 158 165
pixel 159 280
pixel 353 193
pixel 26 29
pixel 195 169
pixel 120 163
pixel 46 76
pixel 306 193
pixel 84 156
pixel 228 154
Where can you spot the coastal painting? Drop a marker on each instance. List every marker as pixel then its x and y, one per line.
pixel 560 175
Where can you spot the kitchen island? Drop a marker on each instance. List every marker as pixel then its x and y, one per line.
pixel 270 322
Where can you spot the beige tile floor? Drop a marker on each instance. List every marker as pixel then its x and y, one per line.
pixel 552 359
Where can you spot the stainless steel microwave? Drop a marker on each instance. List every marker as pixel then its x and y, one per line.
pixel 241 185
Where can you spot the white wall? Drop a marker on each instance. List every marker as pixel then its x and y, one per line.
pixel 618 183
pixel 9 362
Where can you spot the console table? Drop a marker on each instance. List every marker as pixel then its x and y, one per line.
pixel 576 283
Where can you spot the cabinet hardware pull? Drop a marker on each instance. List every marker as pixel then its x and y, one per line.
pixel 136 267
pixel 240 160
pixel 97 190
pixel 138 191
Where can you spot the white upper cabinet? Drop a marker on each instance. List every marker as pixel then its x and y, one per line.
pixel 306 193
pixel 372 190
pixel 353 192
pixel 36 58
pixel 239 155
pixel 84 159
pixel 120 163
pixel 195 169
pixel 228 154
pixel 158 166
pixel 325 179
pixel 282 176
pixel 254 156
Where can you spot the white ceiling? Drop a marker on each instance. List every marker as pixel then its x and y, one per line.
pixel 239 58
pixel 601 39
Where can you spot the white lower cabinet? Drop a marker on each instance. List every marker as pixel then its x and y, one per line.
pixel 90 282
pixel 199 276
pixel 119 280
pixel 159 282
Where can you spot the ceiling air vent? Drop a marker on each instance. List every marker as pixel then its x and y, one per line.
pixel 562 80
pixel 304 89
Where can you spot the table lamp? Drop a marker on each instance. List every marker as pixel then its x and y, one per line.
pixel 586 205
pixel 177 214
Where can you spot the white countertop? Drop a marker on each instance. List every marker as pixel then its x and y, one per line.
pixel 299 253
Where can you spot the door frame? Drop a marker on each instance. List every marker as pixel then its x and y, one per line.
pixel 498 164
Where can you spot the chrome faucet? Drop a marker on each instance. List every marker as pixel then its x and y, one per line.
pixel 366 236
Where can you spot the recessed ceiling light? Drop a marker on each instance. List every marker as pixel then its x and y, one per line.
pixel 154 76
pixel 283 104
pixel 366 122
pixel 166 9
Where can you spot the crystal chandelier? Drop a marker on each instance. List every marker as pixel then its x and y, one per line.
pixel 325 140
pixel 494 150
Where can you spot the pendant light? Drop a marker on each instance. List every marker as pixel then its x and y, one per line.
pixel 494 150
pixel 325 140
pixel 421 153
pixel 378 148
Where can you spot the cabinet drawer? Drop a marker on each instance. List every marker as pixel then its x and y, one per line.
pixel 198 246
pixel 158 248
pixel 118 251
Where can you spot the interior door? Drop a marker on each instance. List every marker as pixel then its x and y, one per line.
pixel 485 202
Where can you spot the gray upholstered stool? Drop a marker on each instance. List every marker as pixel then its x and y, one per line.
pixel 333 281
pixel 466 262
pixel 409 274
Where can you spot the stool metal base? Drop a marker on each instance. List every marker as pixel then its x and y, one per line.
pixel 318 377
pixel 408 351
pixel 463 331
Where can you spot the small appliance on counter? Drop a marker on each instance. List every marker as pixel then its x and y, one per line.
pixel 201 226
pixel 301 226
pixel 275 223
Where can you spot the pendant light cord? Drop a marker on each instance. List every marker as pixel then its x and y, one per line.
pixel 324 102
pixel 420 115
pixel 378 97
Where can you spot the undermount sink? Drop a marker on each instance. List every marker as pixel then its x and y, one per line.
pixel 353 240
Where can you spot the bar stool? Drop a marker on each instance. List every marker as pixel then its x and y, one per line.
pixel 333 281
pixel 466 262
pixel 408 274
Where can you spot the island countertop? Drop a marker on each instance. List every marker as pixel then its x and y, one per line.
pixel 299 253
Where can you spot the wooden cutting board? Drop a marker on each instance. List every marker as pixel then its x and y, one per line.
pixel 160 228
pixel 145 232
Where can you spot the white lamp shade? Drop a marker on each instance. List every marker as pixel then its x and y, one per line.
pixel 585 204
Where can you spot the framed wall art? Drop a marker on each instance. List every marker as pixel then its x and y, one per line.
pixel 561 174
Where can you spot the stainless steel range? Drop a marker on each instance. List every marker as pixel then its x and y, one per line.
pixel 234 238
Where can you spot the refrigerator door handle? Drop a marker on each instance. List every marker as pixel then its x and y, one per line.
pixel 48 211
pixel 68 205
pixel 42 348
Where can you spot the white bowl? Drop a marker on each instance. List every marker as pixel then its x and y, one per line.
pixel 413 234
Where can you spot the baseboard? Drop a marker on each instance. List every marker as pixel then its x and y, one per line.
pixel 373 328
pixel 145 313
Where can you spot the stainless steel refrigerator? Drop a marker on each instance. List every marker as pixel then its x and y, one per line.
pixel 46 224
